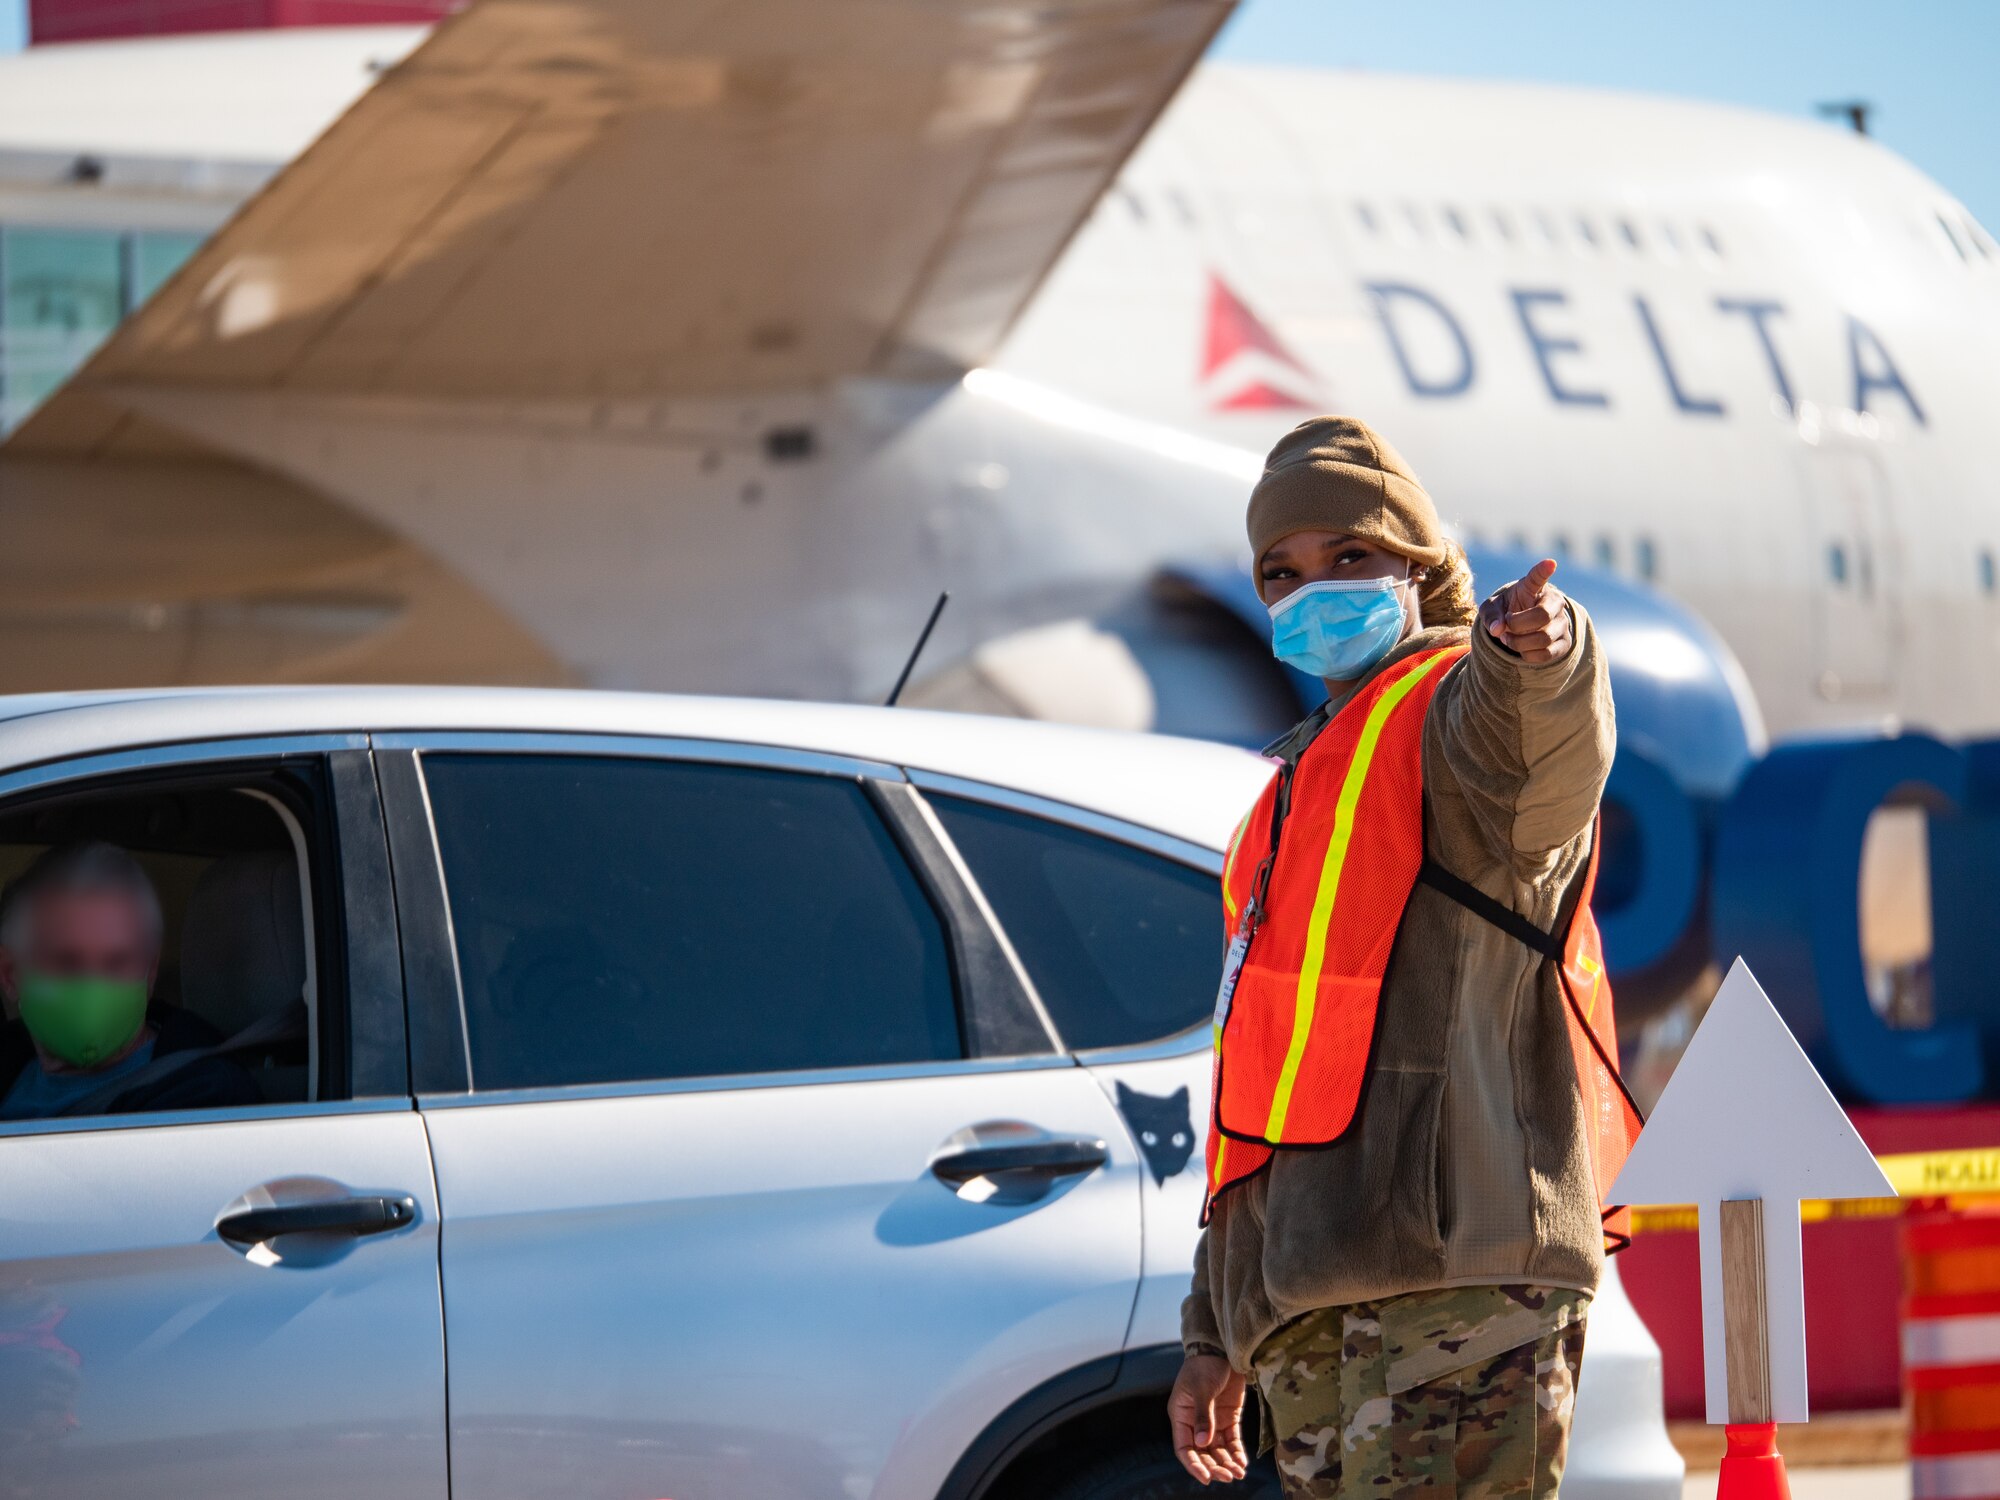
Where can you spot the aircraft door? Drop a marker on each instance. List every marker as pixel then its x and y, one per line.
pixel 1856 587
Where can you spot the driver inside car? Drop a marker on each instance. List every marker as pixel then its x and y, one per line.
pixel 80 936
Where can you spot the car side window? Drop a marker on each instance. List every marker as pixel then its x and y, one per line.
pixel 619 919
pixel 1123 945
pixel 170 940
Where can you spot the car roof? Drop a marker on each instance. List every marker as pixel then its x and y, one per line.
pixel 1191 789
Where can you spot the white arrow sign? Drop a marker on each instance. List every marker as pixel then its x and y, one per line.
pixel 1745 1116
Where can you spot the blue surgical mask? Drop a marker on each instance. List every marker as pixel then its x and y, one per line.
pixel 1338 629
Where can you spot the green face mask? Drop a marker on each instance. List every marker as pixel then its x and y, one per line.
pixel 81 1018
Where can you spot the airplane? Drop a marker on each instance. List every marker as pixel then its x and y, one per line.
pixel 650 346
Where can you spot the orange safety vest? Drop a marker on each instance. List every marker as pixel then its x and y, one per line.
pixel 1311 934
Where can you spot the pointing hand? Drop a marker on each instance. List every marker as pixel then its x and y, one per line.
pixel 1530 617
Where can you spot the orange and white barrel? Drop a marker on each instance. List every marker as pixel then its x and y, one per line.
pixel 1951 1354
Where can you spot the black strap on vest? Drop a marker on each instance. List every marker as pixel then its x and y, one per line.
pixel 1476 901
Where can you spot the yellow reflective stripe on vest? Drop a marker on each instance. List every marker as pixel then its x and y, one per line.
pixel 1229 867
pixel 1329 887
pixel 1596 972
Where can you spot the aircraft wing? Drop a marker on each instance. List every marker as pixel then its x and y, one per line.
pixel 604 198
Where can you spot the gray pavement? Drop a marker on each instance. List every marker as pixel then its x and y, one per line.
pixel 1843 1482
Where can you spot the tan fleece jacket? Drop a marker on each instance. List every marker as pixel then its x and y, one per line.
pixel 1467 1163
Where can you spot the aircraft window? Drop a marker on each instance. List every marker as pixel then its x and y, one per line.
pixel 1414 217
pixel 1545 225
pixel 1606 552
pixel 1951 237
pixel 1365 217
pixel 1629 233
pixel 1518 541
pixel 1559 544
pixel 1981 240
pixel 1503 225
pixel 1134 204
pixel 1586 231
pixel 1183 207
pixel 1457 221
pixel 1836 564
pixel 1989 573
pixel 1710 241
pixel 1644 559
pixel 1670 236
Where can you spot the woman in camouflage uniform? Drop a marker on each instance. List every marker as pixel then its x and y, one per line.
pixel 1411 1298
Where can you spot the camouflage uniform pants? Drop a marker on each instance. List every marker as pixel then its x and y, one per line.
pixel 1465 1392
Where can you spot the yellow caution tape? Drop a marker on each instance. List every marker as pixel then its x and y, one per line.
pixel 1952 1175
pixel 1938 1174
pixel 1682 1216
pixel 1664 1217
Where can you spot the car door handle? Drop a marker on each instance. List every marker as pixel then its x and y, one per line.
pixel 1036 1161
pixel 357 1216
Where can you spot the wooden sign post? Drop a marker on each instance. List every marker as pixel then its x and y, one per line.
pixel 1746 1322
pixel 1744 1130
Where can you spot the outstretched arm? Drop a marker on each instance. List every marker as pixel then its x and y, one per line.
pixel 1527 733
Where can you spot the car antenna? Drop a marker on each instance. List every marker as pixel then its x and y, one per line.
pixel 922 640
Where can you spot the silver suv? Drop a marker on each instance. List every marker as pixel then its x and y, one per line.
pixel 688 1098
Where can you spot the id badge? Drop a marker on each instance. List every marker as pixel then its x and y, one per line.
pixel 1232 968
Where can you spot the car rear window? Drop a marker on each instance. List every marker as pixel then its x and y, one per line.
pixel 621 919
pixel 1125 946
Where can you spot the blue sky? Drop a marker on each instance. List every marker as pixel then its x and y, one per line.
pixel 1928 67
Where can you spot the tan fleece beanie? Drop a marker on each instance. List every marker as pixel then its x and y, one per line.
pixel 1337 474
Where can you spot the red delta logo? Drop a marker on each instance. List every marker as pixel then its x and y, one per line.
pixel 1245 366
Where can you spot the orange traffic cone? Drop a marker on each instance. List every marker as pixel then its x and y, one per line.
pixel 1752 1469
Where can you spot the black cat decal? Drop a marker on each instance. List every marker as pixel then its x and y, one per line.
pixel 1163 1125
